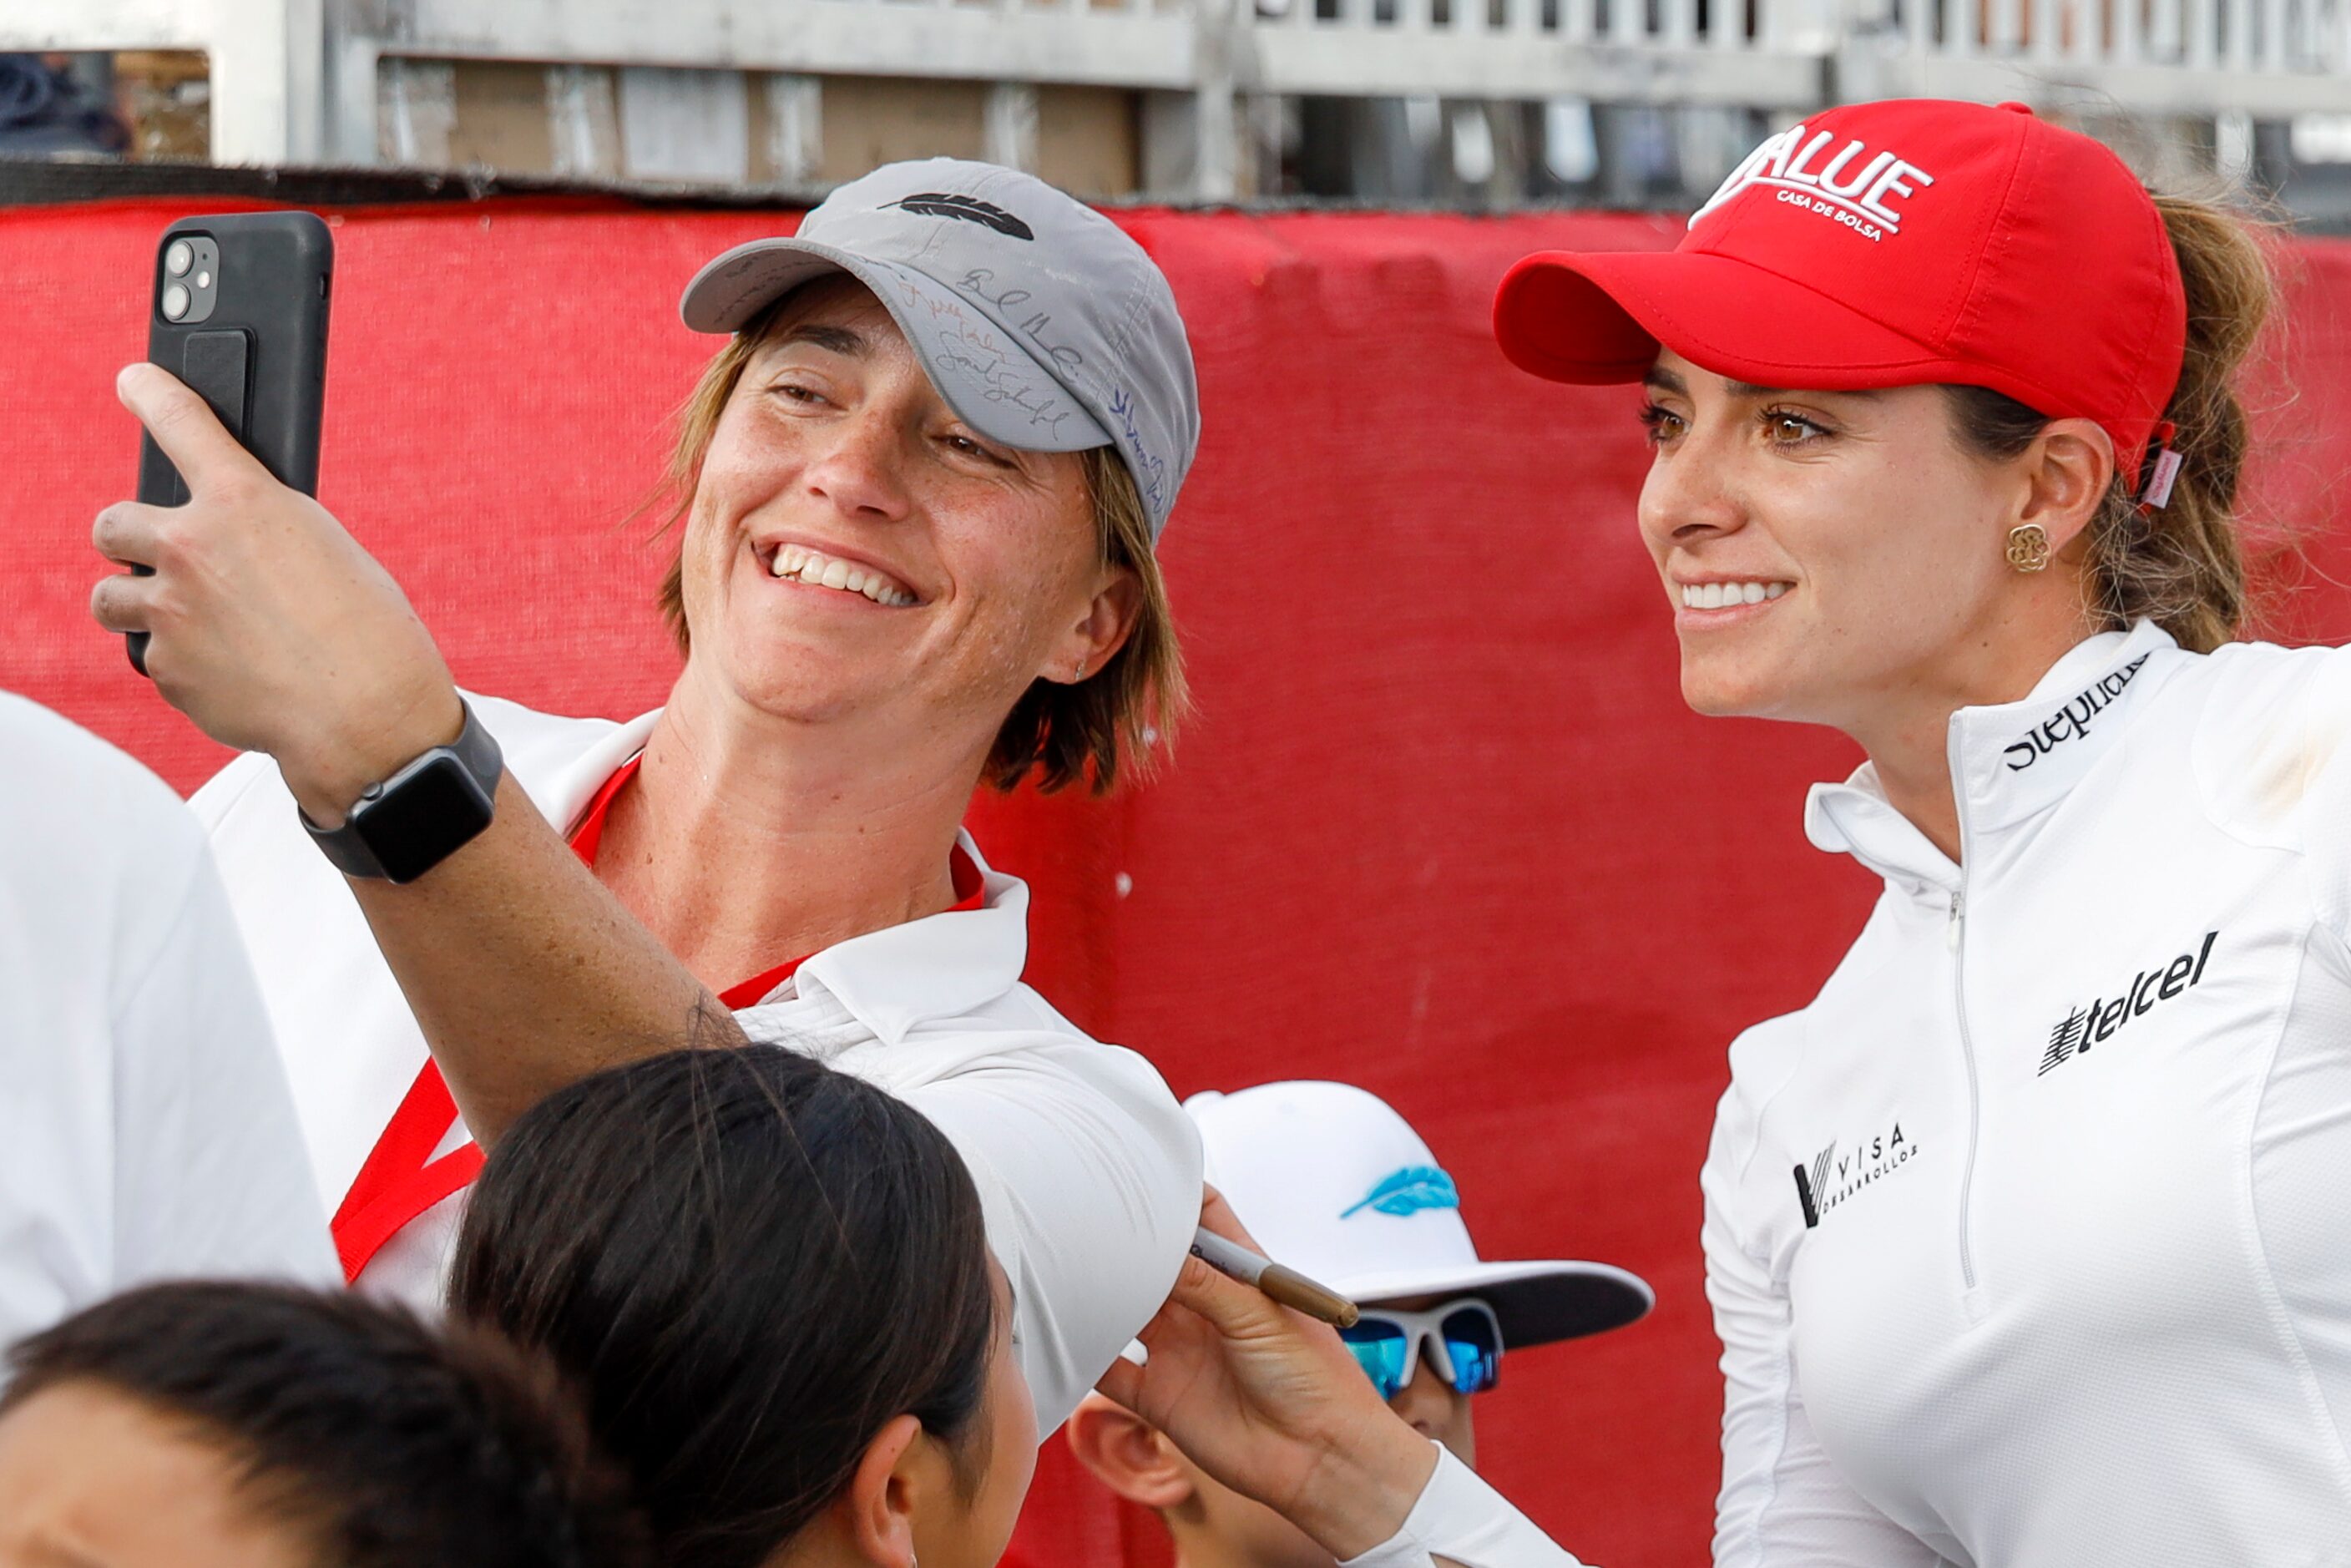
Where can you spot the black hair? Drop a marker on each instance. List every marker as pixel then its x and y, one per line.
pixel 384 1443
pixel 750 1263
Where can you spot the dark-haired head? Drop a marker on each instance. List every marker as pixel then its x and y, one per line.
pixel 772 1281
pixel 199 1423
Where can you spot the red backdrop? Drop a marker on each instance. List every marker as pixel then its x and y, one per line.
pixel 1440 826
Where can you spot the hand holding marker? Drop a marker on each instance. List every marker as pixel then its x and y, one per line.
pixel 1285 1285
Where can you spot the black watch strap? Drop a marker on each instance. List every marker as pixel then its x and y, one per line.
pixel 399 830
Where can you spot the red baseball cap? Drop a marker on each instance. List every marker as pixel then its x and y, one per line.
pixel 1887 244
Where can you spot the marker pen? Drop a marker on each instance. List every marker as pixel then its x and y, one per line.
pixel 1287 1286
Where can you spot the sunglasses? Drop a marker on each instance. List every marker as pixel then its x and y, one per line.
pixel 1462 1340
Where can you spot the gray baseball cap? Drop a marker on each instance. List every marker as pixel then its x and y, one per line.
pixel 1038 320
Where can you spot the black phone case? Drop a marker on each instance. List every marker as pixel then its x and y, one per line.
pixel 259 359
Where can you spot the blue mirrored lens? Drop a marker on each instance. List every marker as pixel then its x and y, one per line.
pixel 1379 1350
pixel 1476 1350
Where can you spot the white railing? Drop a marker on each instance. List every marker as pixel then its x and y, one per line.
pixel 2269 57
pixel 264 57
pixel 1604 51
pixel 300 80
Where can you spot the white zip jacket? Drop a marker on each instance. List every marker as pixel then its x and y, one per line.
pixel 1088 1170
pixel 2029 1240
pixel 1461 1520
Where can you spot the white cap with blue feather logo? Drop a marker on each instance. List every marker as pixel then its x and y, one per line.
pixel 1330 1179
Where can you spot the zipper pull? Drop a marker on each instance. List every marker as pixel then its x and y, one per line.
pixel 1951 931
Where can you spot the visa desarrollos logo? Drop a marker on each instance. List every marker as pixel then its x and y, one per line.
pixel 2083 1028
pixel 1852 186
pixel 2070 720
pixel 1837 1173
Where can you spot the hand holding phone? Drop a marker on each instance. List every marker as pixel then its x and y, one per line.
pixel 271 627
pixel 238 313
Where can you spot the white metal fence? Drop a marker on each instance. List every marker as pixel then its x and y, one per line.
pixel 299 80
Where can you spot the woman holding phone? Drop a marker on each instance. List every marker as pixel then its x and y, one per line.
pixel 920 487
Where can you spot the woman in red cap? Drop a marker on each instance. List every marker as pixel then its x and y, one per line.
pixel 2025 1237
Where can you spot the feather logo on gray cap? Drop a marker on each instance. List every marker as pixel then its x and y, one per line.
pixel 970 209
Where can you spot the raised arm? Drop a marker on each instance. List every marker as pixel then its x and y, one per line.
pixel 276 632
pixel 524 973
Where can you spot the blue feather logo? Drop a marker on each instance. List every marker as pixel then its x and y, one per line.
pixel 1408 1191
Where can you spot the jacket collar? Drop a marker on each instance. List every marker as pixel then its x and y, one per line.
pixel 940 966
pixel 2009 761
pixel 562 793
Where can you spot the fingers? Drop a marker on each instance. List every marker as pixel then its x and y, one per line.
pixel 1210 1292
pixel 184 425
pixel 1234 1310
pixel 1217 1216
pixel 129 532
pixel 1121 1385
pixel 1181 1347
pixel 124 604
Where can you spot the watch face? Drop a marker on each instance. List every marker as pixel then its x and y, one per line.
pixel 426 812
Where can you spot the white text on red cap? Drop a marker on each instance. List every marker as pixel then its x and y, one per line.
pixel 1787 161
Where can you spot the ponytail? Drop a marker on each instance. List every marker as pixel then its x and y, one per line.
pixel 2178 565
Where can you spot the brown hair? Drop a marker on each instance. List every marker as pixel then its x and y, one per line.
pixel 1123 715
pixel 2178 565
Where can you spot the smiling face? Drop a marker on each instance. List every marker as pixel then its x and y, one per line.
pixel 855 551
pixel 1831 556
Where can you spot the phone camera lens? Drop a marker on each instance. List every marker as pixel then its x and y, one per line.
pixel 179 258
pixel 175 301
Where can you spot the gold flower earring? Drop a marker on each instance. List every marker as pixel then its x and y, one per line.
pixel 2028 547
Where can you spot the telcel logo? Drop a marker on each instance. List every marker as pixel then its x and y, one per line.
pixel 1852 186
pixel 2083 1028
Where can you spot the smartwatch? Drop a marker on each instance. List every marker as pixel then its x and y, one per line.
pixel 403 827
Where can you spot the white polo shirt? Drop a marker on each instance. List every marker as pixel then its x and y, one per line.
pixel 1089 1172
pixel 145 1128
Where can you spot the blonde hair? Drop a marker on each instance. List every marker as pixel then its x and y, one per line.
pixel 2178 565
pixel 1119 719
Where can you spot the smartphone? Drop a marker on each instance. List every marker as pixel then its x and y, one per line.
pixel 238 311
